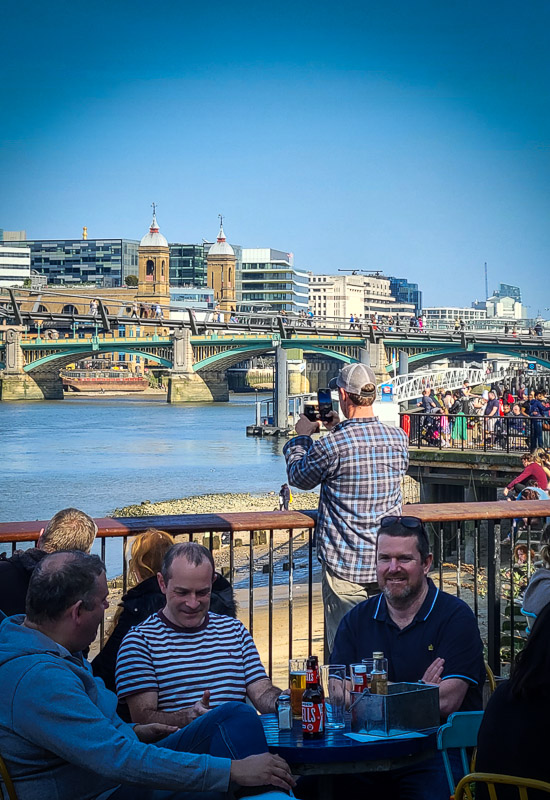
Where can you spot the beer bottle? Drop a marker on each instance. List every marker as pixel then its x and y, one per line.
pixel 379 680
pixel 313 702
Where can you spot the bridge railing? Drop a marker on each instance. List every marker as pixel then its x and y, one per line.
pixel 473 432
pixel 270 559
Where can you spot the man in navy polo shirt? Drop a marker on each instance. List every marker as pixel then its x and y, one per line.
pixel 424 633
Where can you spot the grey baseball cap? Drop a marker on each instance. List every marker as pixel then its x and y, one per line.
pixel 352 378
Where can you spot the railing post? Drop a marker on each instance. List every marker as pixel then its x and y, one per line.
pixel 493 595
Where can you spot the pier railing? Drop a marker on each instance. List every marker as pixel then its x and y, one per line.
pixel 270 559
pixel 473 432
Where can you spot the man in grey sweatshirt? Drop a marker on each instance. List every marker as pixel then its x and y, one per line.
pixel 59 732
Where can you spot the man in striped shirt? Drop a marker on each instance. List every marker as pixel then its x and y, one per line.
pixel 359 464
pixel 183 660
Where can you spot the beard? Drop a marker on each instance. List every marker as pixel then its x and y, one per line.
pixel 402 597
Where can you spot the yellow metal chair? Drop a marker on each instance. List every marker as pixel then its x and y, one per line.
pixel 490 677
pixel 491 781
pixel 6 780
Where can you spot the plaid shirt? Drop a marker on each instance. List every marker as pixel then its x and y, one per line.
pixel 359 465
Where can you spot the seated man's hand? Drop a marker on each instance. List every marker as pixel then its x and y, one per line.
pixel 305 427
pixel 262 770
pixel 433 673
pixel 333 419
pixel 153 731
pixel 201 707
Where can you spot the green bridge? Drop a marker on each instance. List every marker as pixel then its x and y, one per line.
pixel 198 362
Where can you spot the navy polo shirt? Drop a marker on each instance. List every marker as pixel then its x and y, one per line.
pixel 444 627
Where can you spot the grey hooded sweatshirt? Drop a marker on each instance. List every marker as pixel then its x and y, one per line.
pixel 537 594
pixel 61 737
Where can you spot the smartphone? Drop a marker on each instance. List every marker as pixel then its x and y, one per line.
pixel 310 411
pixel 324 398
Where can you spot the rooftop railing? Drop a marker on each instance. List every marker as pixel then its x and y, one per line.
pixel 270 559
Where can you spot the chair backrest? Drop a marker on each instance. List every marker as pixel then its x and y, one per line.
pixel 492 781
pixel 459 732
pixel 490 677
pixel 6 780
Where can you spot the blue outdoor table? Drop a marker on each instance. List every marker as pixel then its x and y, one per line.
pixel 337 754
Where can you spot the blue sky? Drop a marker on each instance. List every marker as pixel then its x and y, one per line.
pixel 409 136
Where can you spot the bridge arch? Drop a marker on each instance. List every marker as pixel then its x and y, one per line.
pixel 68 357
pixel 228 358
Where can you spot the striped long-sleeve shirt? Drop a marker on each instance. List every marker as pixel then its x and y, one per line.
pixel 180 663
pixel 359 465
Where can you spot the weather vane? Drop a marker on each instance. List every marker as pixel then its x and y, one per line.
pixel 154 207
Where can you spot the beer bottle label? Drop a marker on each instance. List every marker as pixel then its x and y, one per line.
pixel 312 676
pixel 313 717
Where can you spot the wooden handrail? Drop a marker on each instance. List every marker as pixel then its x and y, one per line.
pixel 278 520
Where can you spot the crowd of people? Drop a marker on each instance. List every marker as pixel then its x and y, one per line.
pixel 168 709
pixel 495 418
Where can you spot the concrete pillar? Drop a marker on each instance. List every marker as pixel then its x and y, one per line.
pixel 16 384
pixel 296 365
pixel 280 406
pixel 187 386
pixel 403 368
pixel 364 356
pixel 194 388
pixel 182 352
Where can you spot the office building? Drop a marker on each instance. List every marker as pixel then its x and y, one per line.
pixel 102 262
pixel 15 264
pixel 507 290
pixel 187 264
pixel 339 296
pixel 405 292
pixel 12 236
pixel 445 316
pixel 268 277
pixel 505 308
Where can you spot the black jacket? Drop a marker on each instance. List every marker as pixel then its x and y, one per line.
pixel 139 603
pixel 15 574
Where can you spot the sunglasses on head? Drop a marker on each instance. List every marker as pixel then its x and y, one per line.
pixel 406 522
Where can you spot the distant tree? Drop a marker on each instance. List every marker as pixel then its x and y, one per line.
pixel 27 283
pixel 131 280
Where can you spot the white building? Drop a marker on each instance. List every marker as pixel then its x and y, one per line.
pixel 505 308
pixel 268 277
pixel 445 316
pixel 337 296
pixel 361 295
pixel 15 264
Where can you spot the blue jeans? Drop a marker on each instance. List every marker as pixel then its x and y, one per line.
pixel 423 781
pixel 536 434
pixel 232 730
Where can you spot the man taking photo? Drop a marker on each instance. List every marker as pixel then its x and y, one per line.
pixel 359 464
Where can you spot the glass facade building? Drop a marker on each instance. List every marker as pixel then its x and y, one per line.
pixel 187 264
pixel 406 292
pixel 102 262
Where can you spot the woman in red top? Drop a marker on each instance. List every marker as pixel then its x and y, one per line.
pixel 530 470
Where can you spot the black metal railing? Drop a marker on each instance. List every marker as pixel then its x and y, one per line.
pixel 473 432
pixel 270 559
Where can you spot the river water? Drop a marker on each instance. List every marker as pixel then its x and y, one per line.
pixel 99 454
